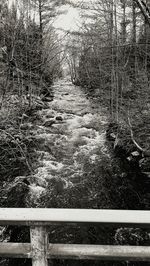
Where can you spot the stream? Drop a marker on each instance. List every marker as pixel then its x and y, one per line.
pixel 72 134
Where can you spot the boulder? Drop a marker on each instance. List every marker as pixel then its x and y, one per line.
pixel 59 118
pixel 50 115
pixel 112 129
pixel 47 99
pixel 26 126
pixel 135 154
pixel 144 164
pixel 49 123
pixel 146 153
pixel 57 184
pixel 129 158
pixel 41 181
pixel 112 136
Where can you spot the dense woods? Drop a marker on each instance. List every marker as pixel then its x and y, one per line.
pixel 29 51
pixel 113 52
pixel 108 61
pixel 30 58
pixel 111 56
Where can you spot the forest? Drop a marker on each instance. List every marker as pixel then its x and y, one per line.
pixel 74 116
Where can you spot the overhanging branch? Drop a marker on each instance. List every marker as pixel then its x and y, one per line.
pixel 144 9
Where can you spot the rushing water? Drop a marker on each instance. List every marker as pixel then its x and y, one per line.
pixel 72 133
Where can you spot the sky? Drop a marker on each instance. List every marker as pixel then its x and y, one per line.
pixel 69 20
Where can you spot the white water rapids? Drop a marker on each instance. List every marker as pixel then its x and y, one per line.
pixel 73 134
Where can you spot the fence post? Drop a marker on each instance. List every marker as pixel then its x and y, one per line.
pixel 39 245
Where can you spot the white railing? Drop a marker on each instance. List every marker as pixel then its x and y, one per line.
pixel 40 250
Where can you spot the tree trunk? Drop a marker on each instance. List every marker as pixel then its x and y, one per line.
pixel 112 58
pixel 41 22
pixel 134 44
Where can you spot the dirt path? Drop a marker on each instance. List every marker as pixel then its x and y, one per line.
pixel 72 133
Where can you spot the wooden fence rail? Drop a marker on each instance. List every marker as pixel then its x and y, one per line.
pixel 39 250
